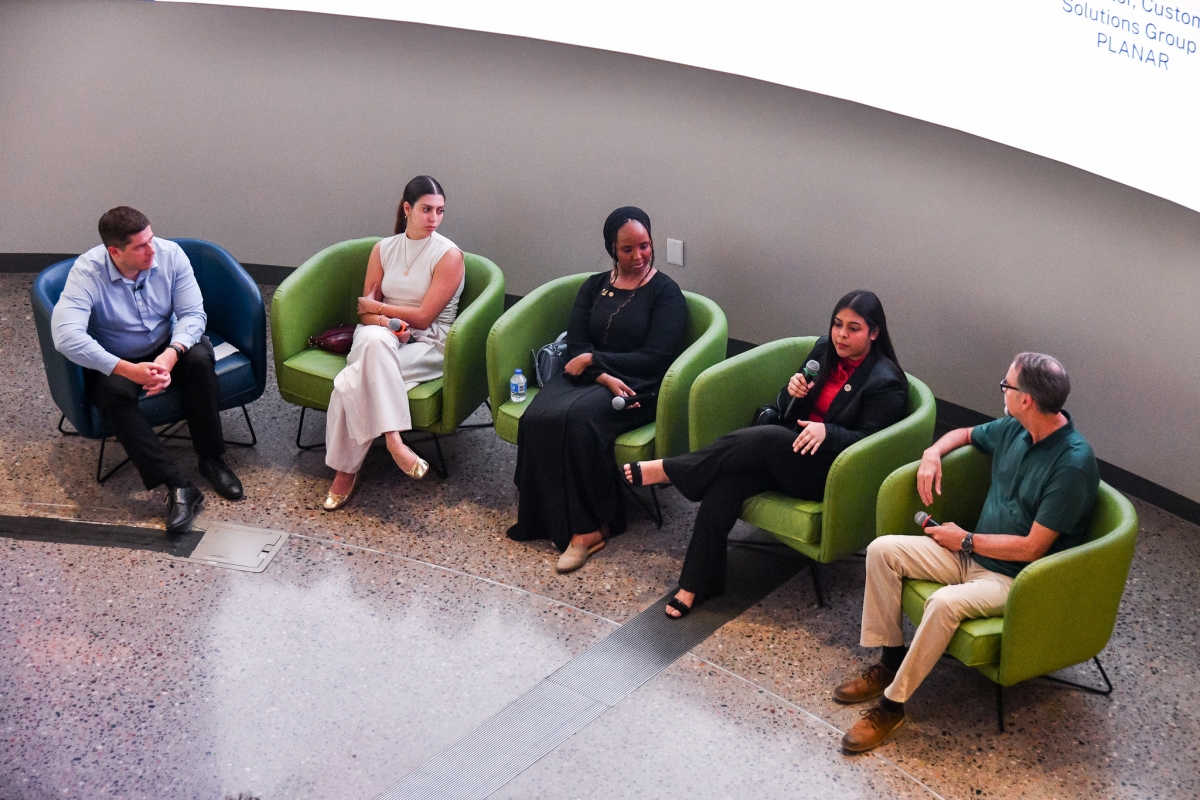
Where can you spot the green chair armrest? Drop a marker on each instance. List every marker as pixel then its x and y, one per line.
pixel 708 332
pixel 725 396
pixel 465 381
pixel 966 477
pixel 1063 607
pixel 851 491
pixel 536 319
pixel 320 294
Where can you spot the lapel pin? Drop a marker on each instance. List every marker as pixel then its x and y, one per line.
pixel 847 387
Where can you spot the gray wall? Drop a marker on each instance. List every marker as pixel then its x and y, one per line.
pixel 278 133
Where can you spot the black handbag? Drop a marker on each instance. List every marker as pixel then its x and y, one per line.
pixel 550 359
pixel 767 415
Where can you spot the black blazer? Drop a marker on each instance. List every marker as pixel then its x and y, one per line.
pixel 877 397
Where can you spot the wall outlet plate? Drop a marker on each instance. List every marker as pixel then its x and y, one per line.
pixel 675 252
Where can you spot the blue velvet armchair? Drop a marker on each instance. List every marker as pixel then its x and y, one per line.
pixel 236 314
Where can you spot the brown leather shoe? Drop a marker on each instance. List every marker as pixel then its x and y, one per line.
pixel 865 687
pixel 876 725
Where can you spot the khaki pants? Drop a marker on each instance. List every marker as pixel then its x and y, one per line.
pixel 970 591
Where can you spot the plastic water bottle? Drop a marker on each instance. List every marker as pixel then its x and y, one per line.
pixel 517 387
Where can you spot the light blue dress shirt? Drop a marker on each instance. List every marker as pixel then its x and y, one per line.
pixel 103 317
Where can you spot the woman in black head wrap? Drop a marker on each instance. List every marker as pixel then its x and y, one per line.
pixel 626 329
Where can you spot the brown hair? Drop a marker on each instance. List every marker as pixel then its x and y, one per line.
pixel 414 190
pixel 118 224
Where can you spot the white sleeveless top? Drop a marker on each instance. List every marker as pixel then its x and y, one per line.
pixel 417 258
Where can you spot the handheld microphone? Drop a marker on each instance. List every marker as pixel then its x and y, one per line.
pixel 924 520
pixel 810 372
pixel 620 403
pixel 397 325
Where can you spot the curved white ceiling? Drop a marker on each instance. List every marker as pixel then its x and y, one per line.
pixel 1110 86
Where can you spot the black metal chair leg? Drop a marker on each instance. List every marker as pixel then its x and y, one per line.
pixel 813 568
pixel 101 475
pixel 167 433
pixel 657 518
pixel 1102 692
pixel 437 443
pixel 253 436
pixel 300 430
pixel 1107 690
pixel 440 466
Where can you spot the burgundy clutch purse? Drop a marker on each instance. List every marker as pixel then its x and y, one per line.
pixel 335 340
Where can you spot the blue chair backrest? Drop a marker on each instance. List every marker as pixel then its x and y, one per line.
pixel 65 378
pixel 232 302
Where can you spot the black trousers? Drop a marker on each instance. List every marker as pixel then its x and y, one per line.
pixel 196 378
pixel 725 474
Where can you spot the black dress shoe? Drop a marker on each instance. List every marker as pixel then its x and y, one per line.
pixel 222 478
pixel 182 507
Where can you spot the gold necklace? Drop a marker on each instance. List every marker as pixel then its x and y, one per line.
pixel 407 264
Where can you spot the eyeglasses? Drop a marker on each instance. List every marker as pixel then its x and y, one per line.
pixel 1005 387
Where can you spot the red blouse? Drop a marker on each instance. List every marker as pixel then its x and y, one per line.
pixel 837 379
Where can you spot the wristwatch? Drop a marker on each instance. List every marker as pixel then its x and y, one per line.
pixel 178 348
pixel 968 543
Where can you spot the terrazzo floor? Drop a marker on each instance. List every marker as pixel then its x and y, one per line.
pixel 382 633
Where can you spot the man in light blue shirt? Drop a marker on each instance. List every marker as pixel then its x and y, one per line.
pixel 131 314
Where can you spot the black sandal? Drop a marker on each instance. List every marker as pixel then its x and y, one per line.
pixel 679 606
pixel 635 469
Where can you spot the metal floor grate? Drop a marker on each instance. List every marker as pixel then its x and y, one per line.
pixel 502 747
pixel 238 547
pixel 514 739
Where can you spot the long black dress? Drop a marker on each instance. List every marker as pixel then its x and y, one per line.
pixel 566 475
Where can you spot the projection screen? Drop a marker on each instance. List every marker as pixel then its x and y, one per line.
pixel 1109 86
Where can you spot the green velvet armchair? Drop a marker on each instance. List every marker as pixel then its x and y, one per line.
pixel 1062 607
pixel 323 293
pixel 540 316
pixel 725 398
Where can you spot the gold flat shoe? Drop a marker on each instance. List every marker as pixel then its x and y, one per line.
pixel 335 501
pixel 418 469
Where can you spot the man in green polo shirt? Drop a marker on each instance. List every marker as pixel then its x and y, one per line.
pixel 1044 485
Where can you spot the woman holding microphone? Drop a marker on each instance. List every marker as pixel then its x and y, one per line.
pixel 859 389
pixel 410 299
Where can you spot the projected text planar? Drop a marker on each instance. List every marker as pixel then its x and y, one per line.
pixel 1145 32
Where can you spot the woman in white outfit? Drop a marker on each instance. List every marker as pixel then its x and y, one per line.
pixel 417 277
